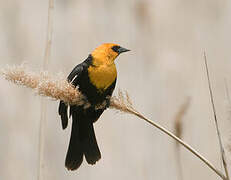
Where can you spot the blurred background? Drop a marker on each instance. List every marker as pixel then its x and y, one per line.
pixel 164 70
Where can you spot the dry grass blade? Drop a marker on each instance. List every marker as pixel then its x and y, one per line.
pixel 227 91
pixel 121 103
pixel 227 97
pixel 215 119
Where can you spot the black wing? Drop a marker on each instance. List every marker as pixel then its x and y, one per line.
pixel 72 78
pixel 75 73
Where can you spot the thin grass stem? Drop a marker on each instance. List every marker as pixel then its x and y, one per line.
pixel 43 103
pixel 187 146
pixel 215 119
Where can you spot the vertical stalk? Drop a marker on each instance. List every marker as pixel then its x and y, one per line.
pixel 43 103
pixel 215 119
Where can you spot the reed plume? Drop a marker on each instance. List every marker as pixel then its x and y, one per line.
pixel 44 84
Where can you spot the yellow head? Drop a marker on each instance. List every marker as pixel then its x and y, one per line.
pixel 106 53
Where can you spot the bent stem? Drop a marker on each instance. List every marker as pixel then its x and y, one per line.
pixel 121 105
pixel 182 143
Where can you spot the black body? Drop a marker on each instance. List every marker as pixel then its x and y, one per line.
pixel 83 140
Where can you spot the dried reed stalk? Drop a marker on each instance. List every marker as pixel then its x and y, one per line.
pixel 43 103
pixel 58 89
pixel 123 103
pixel 215 119
pixel 227 95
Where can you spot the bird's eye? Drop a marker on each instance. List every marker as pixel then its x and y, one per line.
pixel 115 48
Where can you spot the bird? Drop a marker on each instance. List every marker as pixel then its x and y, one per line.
pixel 95 78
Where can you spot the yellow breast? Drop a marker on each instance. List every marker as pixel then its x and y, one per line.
pixel 102 76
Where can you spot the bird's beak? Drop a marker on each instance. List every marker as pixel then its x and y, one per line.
pixel 122 50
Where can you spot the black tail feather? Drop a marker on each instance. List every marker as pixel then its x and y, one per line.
pixel 83 140
pixel 89 143
pixel 74 156
pixel 63 114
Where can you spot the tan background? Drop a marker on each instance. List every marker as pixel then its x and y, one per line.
pixel 165 66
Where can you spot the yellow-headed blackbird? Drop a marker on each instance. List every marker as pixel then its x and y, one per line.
pixel 95 78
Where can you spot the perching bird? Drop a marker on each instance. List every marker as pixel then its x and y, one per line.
pixel 96 79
